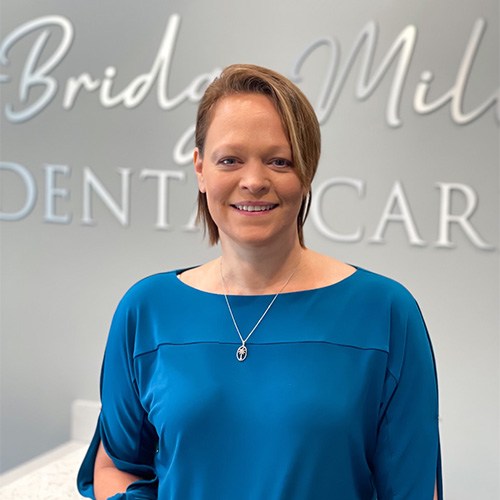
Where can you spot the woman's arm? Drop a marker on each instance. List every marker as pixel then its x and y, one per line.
pixel 129 437
pixel 407 457
pixel 108 479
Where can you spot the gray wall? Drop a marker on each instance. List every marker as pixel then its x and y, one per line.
pixel 408 182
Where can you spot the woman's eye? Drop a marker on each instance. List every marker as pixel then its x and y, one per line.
pixel 281 162
pixel 227 161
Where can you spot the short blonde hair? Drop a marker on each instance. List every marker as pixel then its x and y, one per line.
pixel 297 117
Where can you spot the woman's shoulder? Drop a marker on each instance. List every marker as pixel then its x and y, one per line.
pixel 325 270
pixel 383 285
pixel 358 282
pixel 152 285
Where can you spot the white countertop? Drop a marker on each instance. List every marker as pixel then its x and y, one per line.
pixel 52 476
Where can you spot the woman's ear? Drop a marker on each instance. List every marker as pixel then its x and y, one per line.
pixel 198 168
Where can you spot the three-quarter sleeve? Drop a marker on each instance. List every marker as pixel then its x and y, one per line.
pixel 123 426
pixel 407 463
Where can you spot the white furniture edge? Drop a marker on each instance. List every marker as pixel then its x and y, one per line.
pixel 83 421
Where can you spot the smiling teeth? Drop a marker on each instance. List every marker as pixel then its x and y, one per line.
pixel 254 208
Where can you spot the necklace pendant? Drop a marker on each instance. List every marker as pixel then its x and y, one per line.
pixel 241 353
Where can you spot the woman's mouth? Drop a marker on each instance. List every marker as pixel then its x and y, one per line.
pixel 255 208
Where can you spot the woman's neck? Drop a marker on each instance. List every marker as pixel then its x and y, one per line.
pixel 258 271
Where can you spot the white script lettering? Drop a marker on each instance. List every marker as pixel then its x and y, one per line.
pixel 32 75
pixel 130 97
pixel 401 51
pixel 400 54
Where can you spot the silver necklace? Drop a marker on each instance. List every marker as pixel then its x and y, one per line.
pixel 242 351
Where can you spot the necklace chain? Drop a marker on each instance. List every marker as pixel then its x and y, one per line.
pixel 242 350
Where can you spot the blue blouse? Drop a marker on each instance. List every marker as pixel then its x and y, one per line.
pixel 337 398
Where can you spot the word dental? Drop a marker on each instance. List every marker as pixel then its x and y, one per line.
pixel 395 211
pixel 38 74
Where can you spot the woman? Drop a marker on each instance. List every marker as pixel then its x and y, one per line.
pixel 272 371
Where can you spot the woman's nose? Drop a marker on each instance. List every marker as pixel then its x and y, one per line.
pixel 255 177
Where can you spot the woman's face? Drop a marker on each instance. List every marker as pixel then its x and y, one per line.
pixel 253 192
